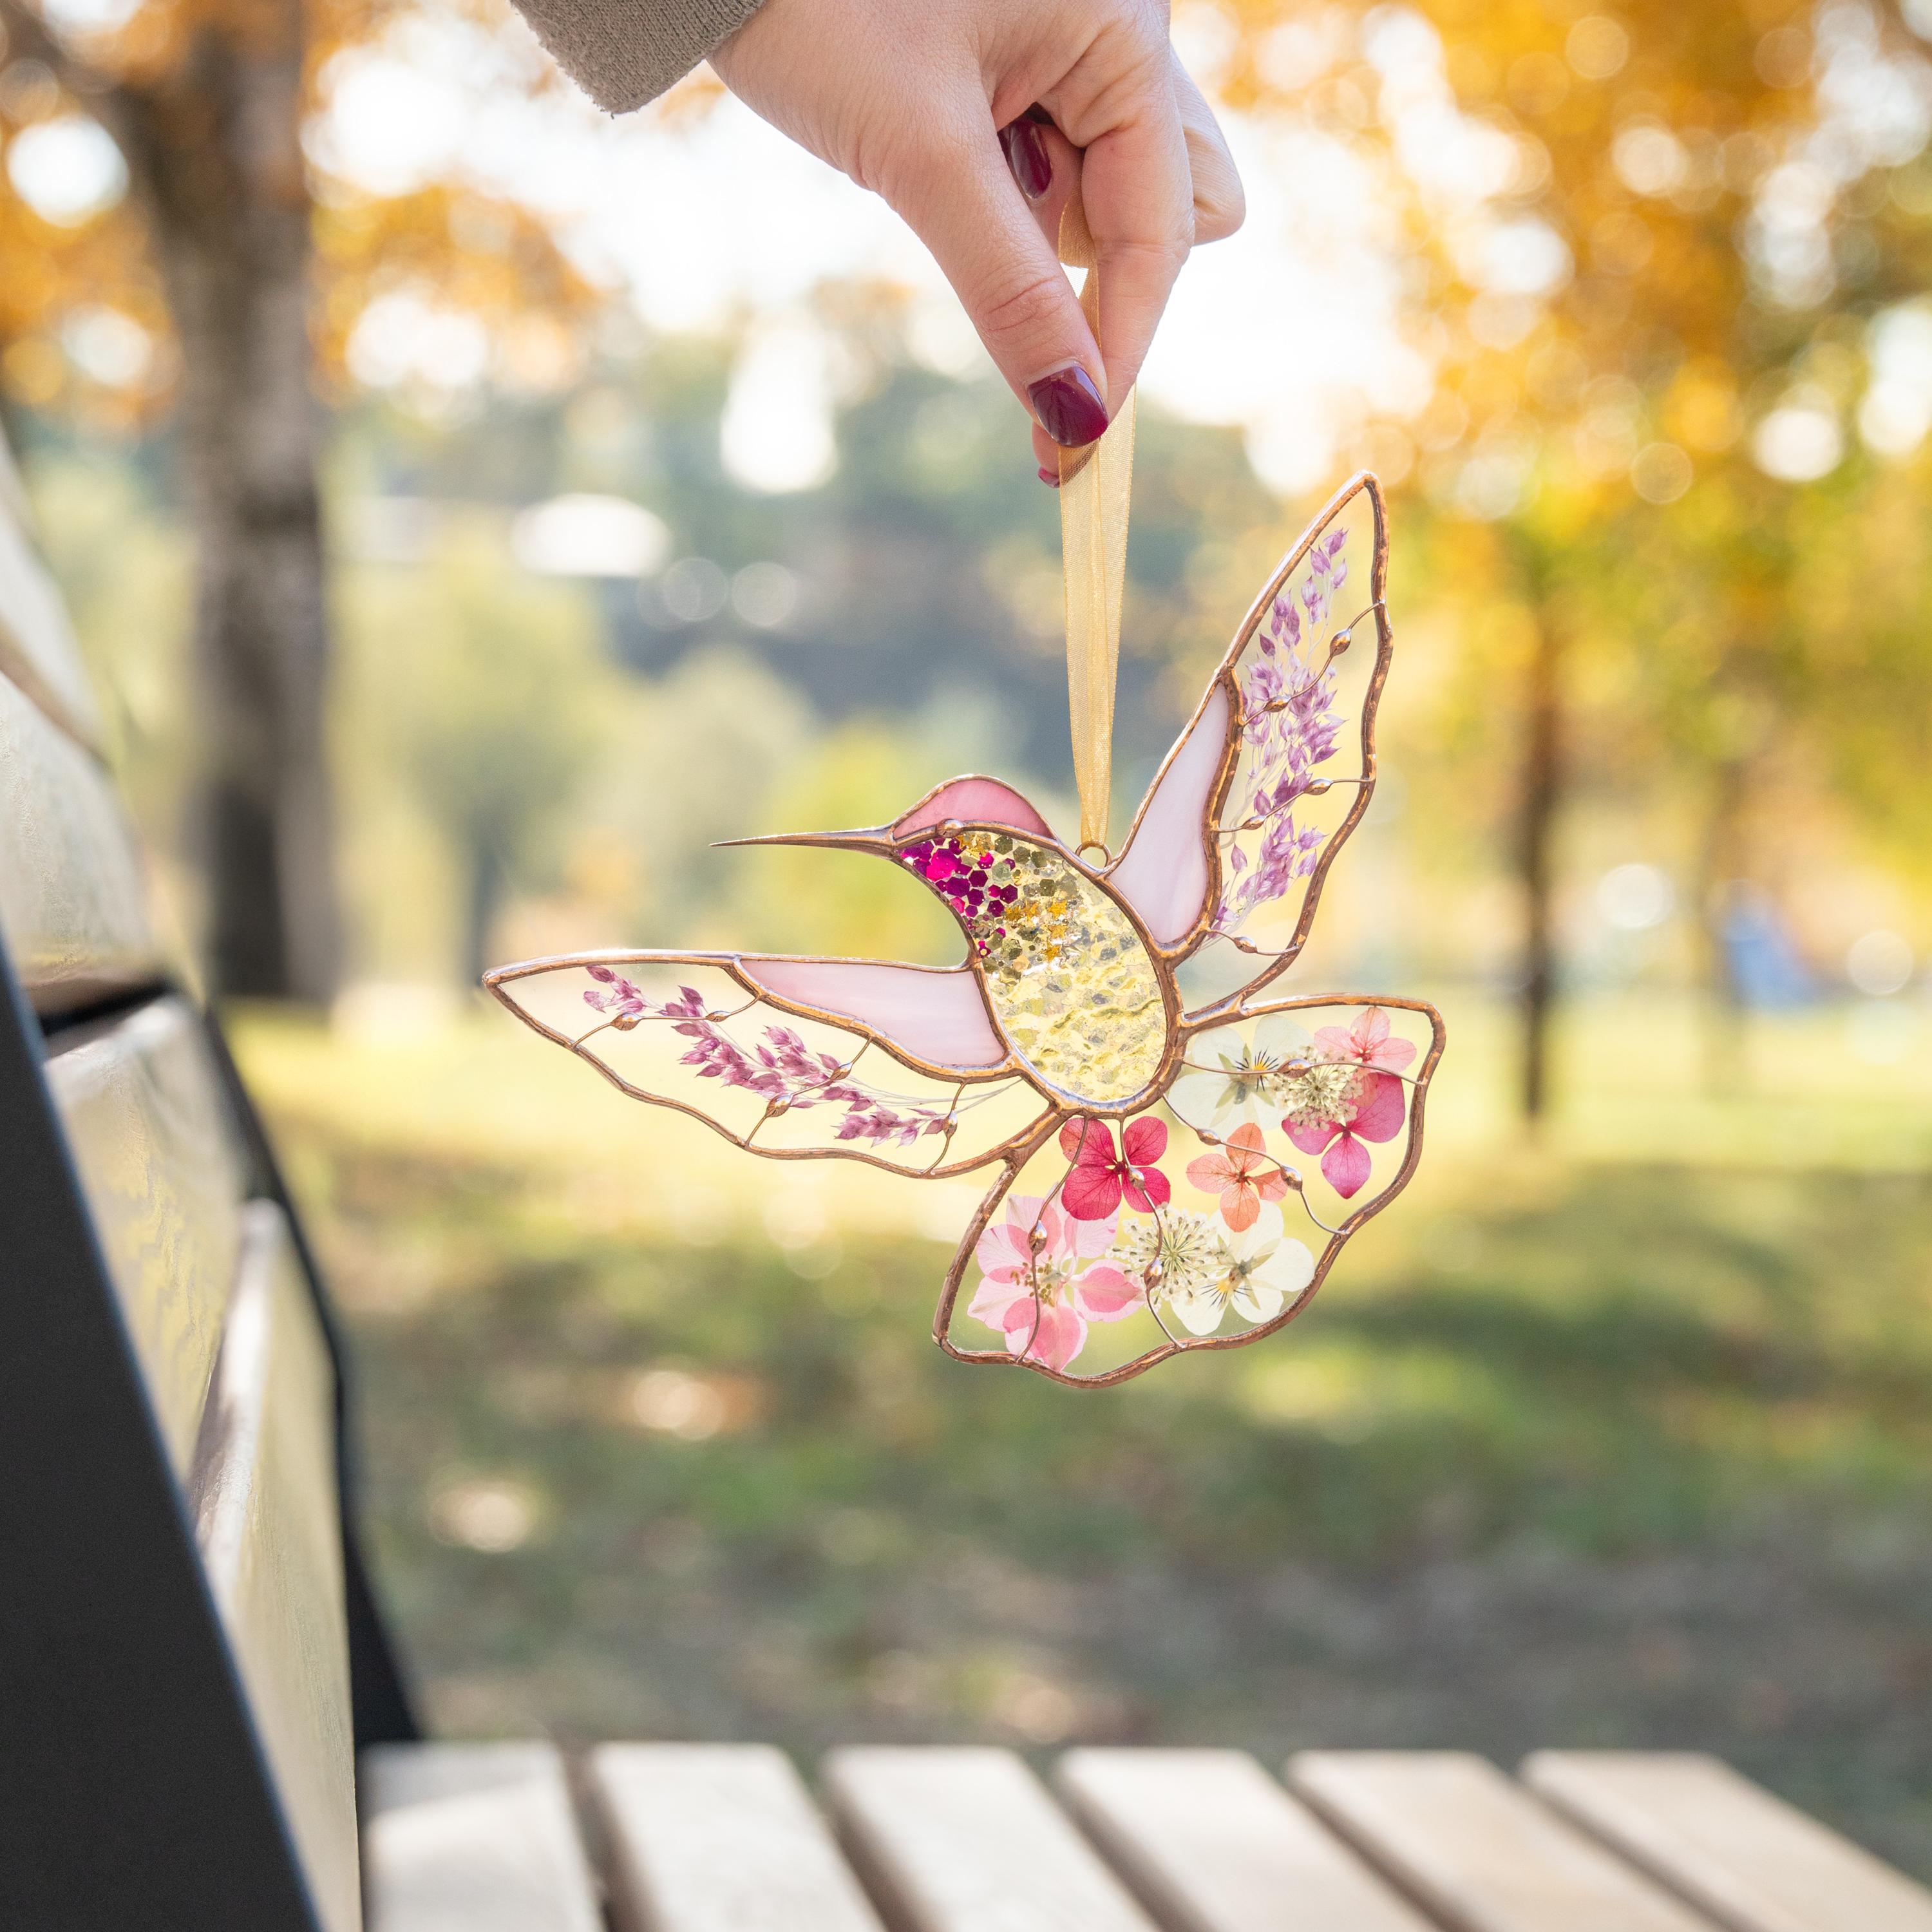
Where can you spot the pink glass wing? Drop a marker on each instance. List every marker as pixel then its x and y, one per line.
pixel 1308 673
pixel 1163 872
pixel 1297 764
pixel 973 801
pixel 939 1018
pixel 697 1033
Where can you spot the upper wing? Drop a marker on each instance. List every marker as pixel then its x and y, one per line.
pixel 1227 856
pixel 899 1065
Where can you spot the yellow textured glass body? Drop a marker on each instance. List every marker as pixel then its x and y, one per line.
pixel 1070 983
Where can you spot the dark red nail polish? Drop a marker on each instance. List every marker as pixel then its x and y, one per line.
pixel 1052 476
pixel 1069 407
pixel 1027 156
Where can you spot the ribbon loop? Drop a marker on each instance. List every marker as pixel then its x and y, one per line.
pixel 1095 485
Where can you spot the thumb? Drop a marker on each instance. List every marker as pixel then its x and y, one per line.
pixel 961 199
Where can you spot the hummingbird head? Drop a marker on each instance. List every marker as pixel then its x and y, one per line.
pixel 974 801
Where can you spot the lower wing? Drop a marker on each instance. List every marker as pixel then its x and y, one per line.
pixel 797 1059
pixel 1209 1219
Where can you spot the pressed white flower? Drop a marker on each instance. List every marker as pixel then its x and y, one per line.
pixel 1270 1268
pixel 1315 1091
pixel 1233 1075
pixel 1175 1255
pixel 1261 1268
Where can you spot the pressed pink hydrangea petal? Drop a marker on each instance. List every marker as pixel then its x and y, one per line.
pixel 1105 1293
pixel 1380 1108
pixel 1150 1189
pixel 1082 1239
pixel 1089 1142
pixel 1367 1039
pixel 1346 1165
pixel 995 1300
pixel 1091 1193
pixel 1058 1337
pixel 1145 1140
pixel 1312 1138
pixel 1005 1249
pixel 999 1256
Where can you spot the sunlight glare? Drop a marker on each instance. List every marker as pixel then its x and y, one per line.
pixel 67 170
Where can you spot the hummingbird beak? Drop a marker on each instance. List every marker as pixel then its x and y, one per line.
pixel 834 842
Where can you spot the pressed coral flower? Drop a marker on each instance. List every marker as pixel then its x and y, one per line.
pixel 1241 1173
pixel 1232 1077
pixel 1366 1041
pixel 1043 1284
pixel 1262 1267
pixel 1101 1178
pixel 1375 1111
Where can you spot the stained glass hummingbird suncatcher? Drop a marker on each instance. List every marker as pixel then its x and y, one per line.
pixel 1176 1160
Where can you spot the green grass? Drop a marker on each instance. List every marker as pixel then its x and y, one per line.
pixel 1623 1440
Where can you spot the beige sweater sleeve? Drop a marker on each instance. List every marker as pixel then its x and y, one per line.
pixel 624 52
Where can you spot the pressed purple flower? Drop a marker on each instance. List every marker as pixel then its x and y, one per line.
pixel 624 1004
pixel 1289 722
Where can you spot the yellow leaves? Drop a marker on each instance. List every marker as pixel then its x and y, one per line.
pixel 1700 408
pixel 462 250
pixel 1596 47
pixel 1539 83
pixel 54 276
pixel 1621 243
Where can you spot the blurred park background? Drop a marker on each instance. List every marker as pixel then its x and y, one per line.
pixel 472 508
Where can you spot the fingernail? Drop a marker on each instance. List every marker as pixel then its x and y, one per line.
pixel 1027 156
pixel 1069 407
pixel 1050 476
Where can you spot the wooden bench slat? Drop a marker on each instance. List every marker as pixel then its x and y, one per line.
pixel 1212 1843
pixel 1753 1862
pixel 267 1521
pixel 719 1838
pixel 36 644
pixel 151 1134
pixel 472 1838
pixel 74 904
pixel 1476 1850
pixel 968 1840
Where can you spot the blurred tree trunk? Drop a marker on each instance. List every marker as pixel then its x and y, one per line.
pixel 485 894
pixel 1540 797
pixel 216 149
pixel 1721 866
pixel 213 147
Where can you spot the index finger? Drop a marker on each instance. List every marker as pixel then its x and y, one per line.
pixel 1137 189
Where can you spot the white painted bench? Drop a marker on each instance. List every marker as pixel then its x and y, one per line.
pixel 201 1725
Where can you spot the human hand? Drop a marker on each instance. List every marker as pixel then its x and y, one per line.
pixel 927 103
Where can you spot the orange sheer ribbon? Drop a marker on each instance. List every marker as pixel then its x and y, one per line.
pixel 1095 485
